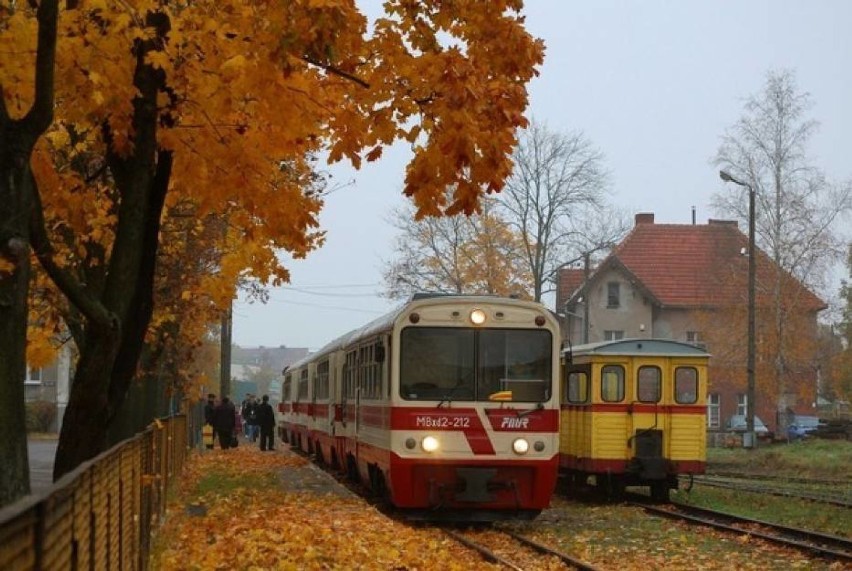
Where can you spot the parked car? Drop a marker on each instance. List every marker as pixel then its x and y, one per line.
pixel 802 426
pixel 737 423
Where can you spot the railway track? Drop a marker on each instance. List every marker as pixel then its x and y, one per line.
pixel 826 546
pixel 514 551
pixel 796 489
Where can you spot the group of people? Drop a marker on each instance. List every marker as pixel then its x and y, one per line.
pixel 256 417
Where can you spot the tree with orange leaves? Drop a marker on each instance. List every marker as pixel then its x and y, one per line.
pixel 222 105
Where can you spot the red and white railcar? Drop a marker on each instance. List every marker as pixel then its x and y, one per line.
pixel 447 406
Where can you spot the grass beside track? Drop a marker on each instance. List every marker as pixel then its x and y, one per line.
pixel 812 458
pixel 816 459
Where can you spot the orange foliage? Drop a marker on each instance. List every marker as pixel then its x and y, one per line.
pixel 255 92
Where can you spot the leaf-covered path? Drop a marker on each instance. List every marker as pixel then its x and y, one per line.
pixel 246 509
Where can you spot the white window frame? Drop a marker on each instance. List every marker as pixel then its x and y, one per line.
pixel 613 335
pixel 742 404
pixel 714 407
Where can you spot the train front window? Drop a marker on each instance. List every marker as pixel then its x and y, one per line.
pixel 437 363
pixel 455 364
pixel 649 384
pixel 577 387
pixel 612 383
pixel 686 385
pixel 514 365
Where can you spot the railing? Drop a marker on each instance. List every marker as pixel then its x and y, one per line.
pixel 100 516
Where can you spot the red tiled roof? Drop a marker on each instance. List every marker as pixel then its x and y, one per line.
pixel 570 279
pixel 691 265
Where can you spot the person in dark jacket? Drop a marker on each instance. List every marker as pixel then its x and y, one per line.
pixel 266 421
pixel 209 408
pixel 224 421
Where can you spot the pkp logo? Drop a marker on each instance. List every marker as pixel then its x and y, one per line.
pixel 512 422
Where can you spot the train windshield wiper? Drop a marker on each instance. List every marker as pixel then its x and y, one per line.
pixel 448 398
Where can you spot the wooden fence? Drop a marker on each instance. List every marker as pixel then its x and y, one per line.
pixel 100 516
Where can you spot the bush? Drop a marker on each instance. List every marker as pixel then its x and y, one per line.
pixel 40 416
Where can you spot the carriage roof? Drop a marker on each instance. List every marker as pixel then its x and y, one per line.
pixel 639 347
pixel 387 320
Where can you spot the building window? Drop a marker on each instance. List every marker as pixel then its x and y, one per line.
pixel 692 336
pixel 742 405
pixel 613 294
pixel 33 376
pixel 613 335
pixel 713 406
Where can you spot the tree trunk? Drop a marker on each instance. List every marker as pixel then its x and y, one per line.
pixel 15 195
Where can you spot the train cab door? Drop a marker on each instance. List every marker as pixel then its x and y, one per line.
pixel 649 418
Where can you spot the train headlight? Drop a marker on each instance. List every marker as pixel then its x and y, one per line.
pixel 521 446
pixel 477 317
pixel 538 446
pixel 429 444
pixel 410 443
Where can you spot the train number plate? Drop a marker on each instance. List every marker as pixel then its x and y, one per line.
pixel 449 422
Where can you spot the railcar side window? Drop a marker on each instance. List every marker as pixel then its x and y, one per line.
pixel 321 387
pixel 303 384
pixel 686 385
pixel 649 384
pixel 286 387
pixel 612 383
pixel 577 388
pixel 350 368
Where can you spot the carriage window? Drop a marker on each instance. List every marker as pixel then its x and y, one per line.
pixel 612 383
pixel 648 384
pixel 577 387
pixel 303 384
pixel 686 385
pixel 321 389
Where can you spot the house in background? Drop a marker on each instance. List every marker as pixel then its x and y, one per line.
pixel 689 282
pixel 51 383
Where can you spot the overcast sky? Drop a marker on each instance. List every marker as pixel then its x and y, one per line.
pixel 653 84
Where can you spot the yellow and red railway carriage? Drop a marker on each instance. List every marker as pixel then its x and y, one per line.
pixel 448 406
pixel 633 414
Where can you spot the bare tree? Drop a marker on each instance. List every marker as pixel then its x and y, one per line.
pixel 455 254
pixel 555 200
pixel 797 210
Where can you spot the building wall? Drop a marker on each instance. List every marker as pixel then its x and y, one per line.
pixel 633 316
pixel 51 383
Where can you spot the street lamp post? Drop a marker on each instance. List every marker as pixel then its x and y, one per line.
pixel 752 263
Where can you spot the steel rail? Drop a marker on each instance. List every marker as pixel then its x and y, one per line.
pixel 774 491
pixel 486 553
pixel 564 557
pixel 823 545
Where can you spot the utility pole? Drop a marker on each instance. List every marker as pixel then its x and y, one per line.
pixel 225 351
pixel 749 438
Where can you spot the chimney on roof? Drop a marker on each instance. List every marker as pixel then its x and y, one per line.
pixel 693 216
pixel 644 218
pixel 723 222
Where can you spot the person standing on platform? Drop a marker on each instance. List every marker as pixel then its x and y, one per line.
pixel 224 422
pixel 207 431
pixel 266 420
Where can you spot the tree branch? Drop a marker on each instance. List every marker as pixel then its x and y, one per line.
pixel 335 71
pixel 64 280
pixel 40 115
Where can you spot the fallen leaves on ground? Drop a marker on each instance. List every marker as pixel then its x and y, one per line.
pixel 222 519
